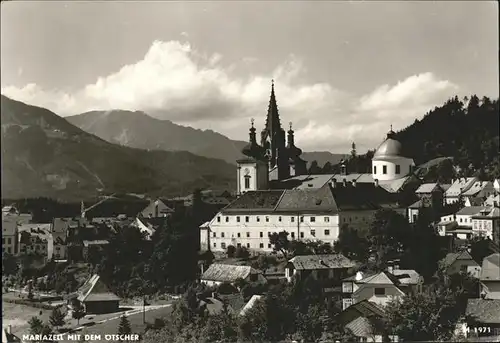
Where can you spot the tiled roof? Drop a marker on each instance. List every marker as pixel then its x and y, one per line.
pixel 407 276
pixel 227 272
pixel 484 311
pixel 256 201
pixel 361 311
pixel 490 270
pixel 459 186
pixel 310 200
pixel 475 201
pixel 417 204
pixel 8 337
pixel 95 290
pixel 490 201
pixel 489 213
pixel 313 181
pixel 382 278
pixel 312 262
pixel 470 210
pixel 477 187
pixel 450 258
pixel 235 301
pixel 394 186
pixel 427 188
pixel 363 197
pixel 61 225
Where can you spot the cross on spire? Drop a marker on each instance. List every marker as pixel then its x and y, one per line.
pixel 290 123
pixel 252 121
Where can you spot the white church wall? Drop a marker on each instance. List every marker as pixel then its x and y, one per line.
pixel 405 165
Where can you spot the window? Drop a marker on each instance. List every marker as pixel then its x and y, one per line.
pixel 261 245
pixel 8 250
pixel 463 269
pixel 223 245
pixel 3 240
pixel 238 219
pixel 379 291
pixel 346 303
pixel 218 219
pixel 327 219
pixel 313 233
pixel 301 235
pixel 384 170
pixel 347 287
pixel 247 181
pixel 261 234
pixel 269 245
pixel 327 232
pixel 247 219
pixel 227 219
pixel 222 234
pixel 302 219
pixel 248 245
pixel 258 219
pixel 248 234
pixel 374 169
pixel 215 245
pixel 293 235
pixel 9 240
pixel 313 219
pixel 292 219
pixel 214 234
pixel 267 219
pixel 238 235
pixel 279 218
pixel 398 169
pixel 238 245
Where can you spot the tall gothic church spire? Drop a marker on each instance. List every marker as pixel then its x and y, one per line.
pixel 273 124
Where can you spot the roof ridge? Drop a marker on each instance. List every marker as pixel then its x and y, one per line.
pixel 279 200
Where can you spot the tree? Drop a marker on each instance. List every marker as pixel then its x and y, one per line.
pixel 352 244
pixel 56 318
pixel 9 264
pixel 280 242
pixel 36 325
pixel 124 326
pixel 241 252
pixel 314 168
pixel 230 251
pixel 78 312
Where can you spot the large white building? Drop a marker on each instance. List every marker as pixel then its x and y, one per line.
pixel 276 193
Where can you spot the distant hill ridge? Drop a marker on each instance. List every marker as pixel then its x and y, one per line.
pixel 139 130
pixel 45 155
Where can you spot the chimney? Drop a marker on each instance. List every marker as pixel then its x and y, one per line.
pixel 353 183
pixel 344 182
pixel 390 269
pixel 334 182
pixel 359 276
pixel 214 295
pixel 376 182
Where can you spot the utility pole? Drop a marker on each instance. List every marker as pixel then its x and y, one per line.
pixel 144 309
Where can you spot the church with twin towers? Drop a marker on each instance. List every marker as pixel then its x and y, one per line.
pixel 276 193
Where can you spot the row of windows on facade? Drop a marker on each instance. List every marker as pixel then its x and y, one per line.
pixel 7 240
pixel 292 219
pixel 384 169
pixel 280 219
pixel 261 234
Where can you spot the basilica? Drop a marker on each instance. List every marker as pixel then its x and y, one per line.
pixel 276 193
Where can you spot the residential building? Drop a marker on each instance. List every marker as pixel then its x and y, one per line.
pixel 457 189
pixel 326 267
pixel 250 304
pixel 483 319
pixel 479 189
pixel 459 224
pixel 10 234
pixel 218 273
pixel 379 288
pixel 473 201
pixel 148 226
pixel 486 222
pixel 410 282
pixel 490 277
pixel 315 214
pixel 430 191
pixel 359 319
pixel 492 201
pixel 96 297
pixel 35 239
pixel 460 262
pixel 157 208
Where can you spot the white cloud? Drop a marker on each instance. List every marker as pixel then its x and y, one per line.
pixel 175 81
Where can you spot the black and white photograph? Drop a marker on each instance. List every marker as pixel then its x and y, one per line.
pixel 250 171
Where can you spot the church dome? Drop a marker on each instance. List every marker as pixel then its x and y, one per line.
pixel 390 147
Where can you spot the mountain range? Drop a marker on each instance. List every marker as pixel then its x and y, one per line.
pixel 139 130
pixel 45 155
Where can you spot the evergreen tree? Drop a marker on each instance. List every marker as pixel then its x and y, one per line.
pixel 56 318
pixel 78 312
pixel 124 326
pixel 36 325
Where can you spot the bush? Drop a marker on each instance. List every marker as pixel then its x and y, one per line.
pixel 241 252
pixel 230 251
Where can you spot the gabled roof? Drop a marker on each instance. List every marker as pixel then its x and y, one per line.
pixel 95 290
pixel 459 186
pixel 227 272
pixel 484 311
pixel 477 187
pixel 251 303
pixel 235 301
pixel 450 258
pixel 327 261
pixel 416 205
pixel 256 201
pixel 490 270
pixel 407 276
pixel 470 210
pixel 356 317
pixel 490 200
pixel 427 188
pixel 8 337
pixel 474 201
pixel 308 200
pixel 488 213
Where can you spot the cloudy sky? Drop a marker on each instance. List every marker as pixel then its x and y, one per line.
pixel 344 71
